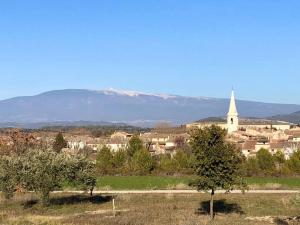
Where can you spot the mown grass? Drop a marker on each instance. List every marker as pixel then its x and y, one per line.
pixel 151 209
pixel 182 182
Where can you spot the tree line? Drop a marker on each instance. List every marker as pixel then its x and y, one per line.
pixel 136 160
pixel 266 164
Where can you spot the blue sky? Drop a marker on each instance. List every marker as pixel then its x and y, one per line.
pixel 192 47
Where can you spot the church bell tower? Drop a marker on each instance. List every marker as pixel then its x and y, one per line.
pixel 232 116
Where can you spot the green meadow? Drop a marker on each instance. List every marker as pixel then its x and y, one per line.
pixel 182 182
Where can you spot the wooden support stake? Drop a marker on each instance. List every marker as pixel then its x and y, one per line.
pixel 114 207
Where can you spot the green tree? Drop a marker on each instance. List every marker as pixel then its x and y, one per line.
pixel 279 161
pixel 167 164
pixel 294 163
pixel 119 160
pixel 104 161
pixel 251 166
pixel 9 175
pixel 59 143
pixel 182 160
pixel 265 161
pixel 142 162
pixel 135 145
pixel 279 158
pixel 43 171
pixel 218 164
pixel 80 172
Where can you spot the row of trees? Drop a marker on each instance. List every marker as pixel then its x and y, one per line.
pixel 136 160
pixel 266 164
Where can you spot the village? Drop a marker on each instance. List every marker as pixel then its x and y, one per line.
pixel 249 136
pixel 249 141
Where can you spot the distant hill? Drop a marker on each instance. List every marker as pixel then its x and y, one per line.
pixel 38 125
pixel 245 121
pixel 292 117
pixel 128 107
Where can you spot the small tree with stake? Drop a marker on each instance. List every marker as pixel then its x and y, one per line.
pixel 218 164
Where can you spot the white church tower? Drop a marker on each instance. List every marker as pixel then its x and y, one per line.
pixel 232 116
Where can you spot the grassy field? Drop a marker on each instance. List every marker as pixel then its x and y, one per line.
pixel 282 183
pixel 169 182
pixel 167 209
pixel 143 182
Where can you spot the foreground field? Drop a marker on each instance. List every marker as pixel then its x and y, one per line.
pixel 166 209
pixel 172 182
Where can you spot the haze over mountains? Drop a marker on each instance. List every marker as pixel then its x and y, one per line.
pixel 128 107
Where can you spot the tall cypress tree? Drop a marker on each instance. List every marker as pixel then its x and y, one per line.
pixel 59 143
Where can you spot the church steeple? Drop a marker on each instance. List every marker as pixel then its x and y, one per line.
pixel 232 108
pixel 232 116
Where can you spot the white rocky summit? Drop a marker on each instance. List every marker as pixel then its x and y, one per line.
pixel 113 91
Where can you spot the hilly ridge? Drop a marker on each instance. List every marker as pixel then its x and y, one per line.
pixel 292 117
pixel 135 108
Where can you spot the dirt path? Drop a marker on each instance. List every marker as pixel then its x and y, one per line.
pixel 184 192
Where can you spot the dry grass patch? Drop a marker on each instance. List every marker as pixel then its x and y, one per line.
pixel 151 209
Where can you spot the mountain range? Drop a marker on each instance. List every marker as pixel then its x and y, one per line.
pixel 134 108
pixel 292 117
